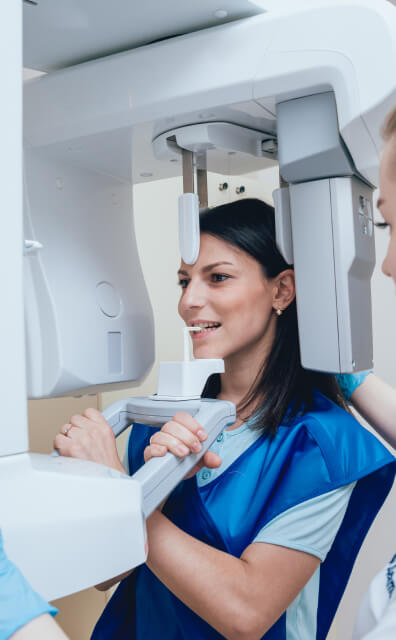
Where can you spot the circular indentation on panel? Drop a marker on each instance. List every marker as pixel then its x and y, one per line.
pixel 109 300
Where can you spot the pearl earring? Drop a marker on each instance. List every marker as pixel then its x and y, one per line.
pixel 279 312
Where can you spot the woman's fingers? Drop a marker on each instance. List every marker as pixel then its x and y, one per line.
pixel 94 414
pixel 89 437
pixel 211 460
pixel 191 424
pixel 183 434
pixel 161 443
pixel 173 444
pixel 154 451
pixel 80 421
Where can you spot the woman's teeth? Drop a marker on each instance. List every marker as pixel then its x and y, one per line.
pixel 205 328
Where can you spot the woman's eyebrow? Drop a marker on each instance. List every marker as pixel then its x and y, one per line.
pixel 208 267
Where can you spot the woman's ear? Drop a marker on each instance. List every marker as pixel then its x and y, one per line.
pixel 284 290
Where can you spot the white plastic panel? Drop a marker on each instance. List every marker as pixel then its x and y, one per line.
pixel 88 318
pixel 69 524
pixel 189 240
pixel 14 436
pixel 58 35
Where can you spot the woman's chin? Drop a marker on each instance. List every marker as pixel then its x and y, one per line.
pixel 206 352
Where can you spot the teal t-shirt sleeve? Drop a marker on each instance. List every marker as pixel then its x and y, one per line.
pixel 19 603
pixel 310 526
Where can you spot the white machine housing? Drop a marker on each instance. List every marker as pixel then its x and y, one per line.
pixel 89 321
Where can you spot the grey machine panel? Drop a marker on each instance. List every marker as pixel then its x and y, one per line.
pixel 333 272
pixel 331 237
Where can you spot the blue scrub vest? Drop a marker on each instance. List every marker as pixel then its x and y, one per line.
pixel 313 454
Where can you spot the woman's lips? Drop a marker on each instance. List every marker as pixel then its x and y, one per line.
pixel 199 335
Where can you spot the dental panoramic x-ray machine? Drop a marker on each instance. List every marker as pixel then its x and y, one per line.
pixel 304 86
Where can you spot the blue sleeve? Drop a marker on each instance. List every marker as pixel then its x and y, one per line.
pixel 19 603
pixel 349 382
pixel 310 526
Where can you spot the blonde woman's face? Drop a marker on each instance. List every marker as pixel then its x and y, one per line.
pixel 387 203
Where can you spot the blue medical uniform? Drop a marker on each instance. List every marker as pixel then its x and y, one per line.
pixel 312 455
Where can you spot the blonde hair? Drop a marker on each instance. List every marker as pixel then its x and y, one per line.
pixel 389 128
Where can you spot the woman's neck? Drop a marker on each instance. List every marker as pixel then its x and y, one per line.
pixel 242 371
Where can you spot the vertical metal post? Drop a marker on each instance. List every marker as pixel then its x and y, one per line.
pixel 188 178
pixel 188 171
pixel 202 184
pixel 13 425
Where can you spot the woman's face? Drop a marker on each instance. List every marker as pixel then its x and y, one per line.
pixel 226 293
pixel 387 203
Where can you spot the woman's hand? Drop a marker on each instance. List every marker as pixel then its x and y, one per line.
pixel 181 436
pixel 89 437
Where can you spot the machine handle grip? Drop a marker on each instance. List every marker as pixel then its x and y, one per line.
pixel 159 476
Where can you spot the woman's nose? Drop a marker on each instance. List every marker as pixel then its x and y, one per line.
pixel 194 295
pixel 385 267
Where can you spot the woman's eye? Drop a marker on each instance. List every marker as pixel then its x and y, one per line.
pixel 382 225
pixel 219 277
pixel 183 283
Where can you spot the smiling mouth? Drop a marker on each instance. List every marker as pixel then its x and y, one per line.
pixel 206 329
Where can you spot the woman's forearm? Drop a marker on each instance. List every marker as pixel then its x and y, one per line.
pixel 210 582
pixel 39 628
pixel 375 400
pixel 239 597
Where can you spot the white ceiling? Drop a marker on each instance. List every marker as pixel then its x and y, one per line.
pixel 60 34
